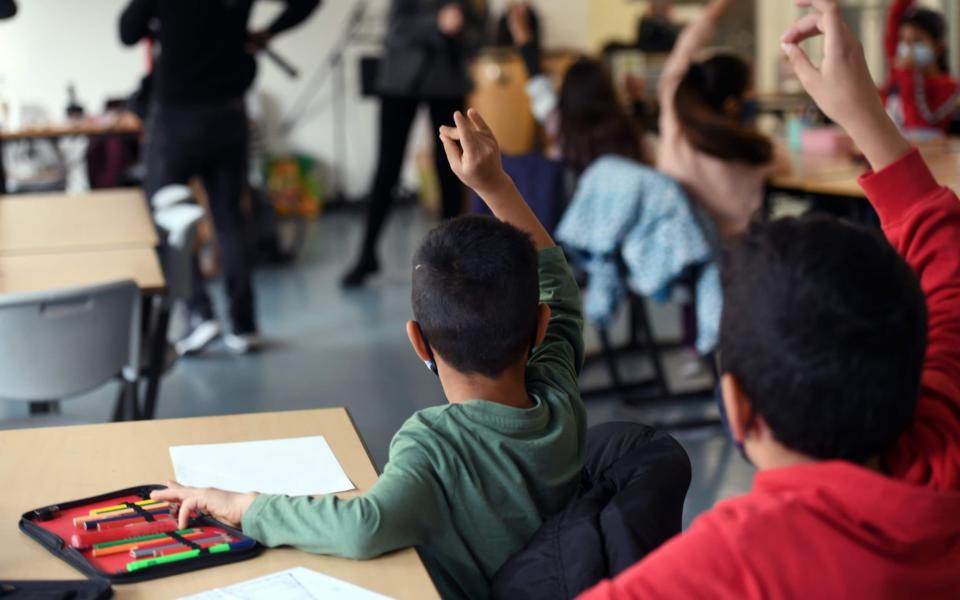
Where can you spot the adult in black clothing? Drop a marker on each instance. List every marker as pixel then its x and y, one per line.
pixel 197 126
pixel 424 61
pixel 657 32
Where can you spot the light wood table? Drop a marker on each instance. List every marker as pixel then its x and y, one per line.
pixel 54 271
pixel 121 127
pixel 57 223
pixel 836 176
pixel 39 467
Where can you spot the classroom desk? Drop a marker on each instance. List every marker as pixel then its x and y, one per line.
pixel 836 176
pixel 109 219
pixel 86 128
pixel 43 466
pixel 21 273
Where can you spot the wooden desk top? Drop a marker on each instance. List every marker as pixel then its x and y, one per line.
pixel 57 223
pixel 42 466
pixel 837 175
pixel 51 271
pixel 124 126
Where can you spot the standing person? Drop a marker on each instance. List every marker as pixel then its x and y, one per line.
pixel 920 93
pixel 424 61
pixel 657 31
pixel 197 126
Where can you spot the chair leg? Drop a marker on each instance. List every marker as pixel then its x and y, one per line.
pixel 610 358
pixel 653 349
pixel 128 402
pixel 158 348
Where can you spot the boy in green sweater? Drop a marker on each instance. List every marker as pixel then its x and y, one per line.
pixel 498 319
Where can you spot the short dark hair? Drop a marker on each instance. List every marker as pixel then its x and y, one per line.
pixel 593 122
pixel 476 293
pixel 825 328
pixel 699 103
pixel 933 24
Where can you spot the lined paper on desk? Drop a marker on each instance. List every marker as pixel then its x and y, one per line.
pixel 293 467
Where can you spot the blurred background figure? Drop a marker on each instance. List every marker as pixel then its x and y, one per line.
pixel 197 126
pixel 657 31
pixel 424 62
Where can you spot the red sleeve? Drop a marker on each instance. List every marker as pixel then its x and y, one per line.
pixel 922 221
pixel 699 563
pixel 892 35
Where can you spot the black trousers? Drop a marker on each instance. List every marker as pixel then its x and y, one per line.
pixel 209 141
pixel 396 119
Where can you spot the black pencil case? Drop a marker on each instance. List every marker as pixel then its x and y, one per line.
pixel 54 528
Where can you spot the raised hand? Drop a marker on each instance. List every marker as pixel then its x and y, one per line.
pixel 842 86
pixel 473 152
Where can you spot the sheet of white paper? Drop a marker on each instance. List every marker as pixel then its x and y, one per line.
pixel 294 584
pixel 294 467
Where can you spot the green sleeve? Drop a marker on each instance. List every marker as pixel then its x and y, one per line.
pixel 401 510
pixel 562 348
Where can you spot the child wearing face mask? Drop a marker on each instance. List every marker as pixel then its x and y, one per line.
pixel 920 93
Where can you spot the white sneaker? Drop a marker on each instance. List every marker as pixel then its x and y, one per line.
pixel 198 339
pixel 242 343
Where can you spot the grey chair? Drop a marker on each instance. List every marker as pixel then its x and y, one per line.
pixel 60 344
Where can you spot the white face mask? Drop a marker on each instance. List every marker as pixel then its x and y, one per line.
pixel 922 53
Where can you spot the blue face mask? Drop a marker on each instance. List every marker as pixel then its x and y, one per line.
pixel 718 396
pixel 749 111
pixel 922 54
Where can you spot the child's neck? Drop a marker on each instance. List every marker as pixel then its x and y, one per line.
pixel 509 388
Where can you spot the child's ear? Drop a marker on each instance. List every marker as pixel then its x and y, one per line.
pixel 737 405
pixel 543 321
pixel 417 341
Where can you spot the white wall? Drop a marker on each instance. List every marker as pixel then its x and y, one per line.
pixel 53 42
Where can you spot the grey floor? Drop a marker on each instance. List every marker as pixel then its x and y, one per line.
pixel 330 348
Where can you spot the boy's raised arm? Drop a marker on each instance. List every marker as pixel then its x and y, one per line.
pixel 920 218
pixel 474 156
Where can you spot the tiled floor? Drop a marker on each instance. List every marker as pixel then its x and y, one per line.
pixel 334 348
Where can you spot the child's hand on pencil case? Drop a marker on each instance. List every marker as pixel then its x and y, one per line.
pixel 473 153
pixel 226 507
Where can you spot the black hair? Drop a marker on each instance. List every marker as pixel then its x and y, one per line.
pixel 593 122
pixel 700 104
pixel 933 24
pixel 825 328
pixel 476 293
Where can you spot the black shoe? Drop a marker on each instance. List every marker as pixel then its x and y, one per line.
pixel 357 276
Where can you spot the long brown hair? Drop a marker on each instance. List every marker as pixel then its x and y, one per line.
pixel 592 120
pixel 700 105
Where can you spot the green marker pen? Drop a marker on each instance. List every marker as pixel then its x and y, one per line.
pixel 162 560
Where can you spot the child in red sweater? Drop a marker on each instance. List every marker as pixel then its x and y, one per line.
pixel 841 382
pixel 920 93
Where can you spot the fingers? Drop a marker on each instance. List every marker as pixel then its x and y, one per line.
pixel 450 132
pixel 453 151
pixel 805 28
pixel 173 493
pixel 186 509
pixel 477 119
pixel 806 72
pixel 467 132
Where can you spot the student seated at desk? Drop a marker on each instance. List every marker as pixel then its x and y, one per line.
pixel 498 319
pixel 708 141
pixel 841 382
pixel 920 92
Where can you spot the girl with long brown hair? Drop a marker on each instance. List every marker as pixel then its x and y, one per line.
pixel 707 141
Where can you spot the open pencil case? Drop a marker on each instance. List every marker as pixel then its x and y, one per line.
pixel 124 537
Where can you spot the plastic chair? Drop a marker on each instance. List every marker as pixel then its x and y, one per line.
pixel 64 343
